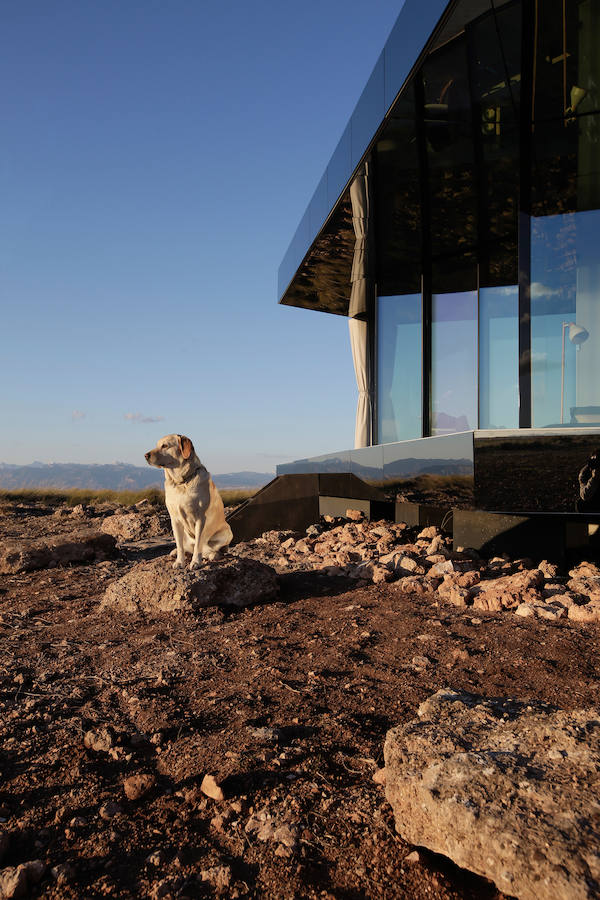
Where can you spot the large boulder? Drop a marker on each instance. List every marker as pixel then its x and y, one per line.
pixel 505 789
pixel 83 546
pixel 155 586
pixel 134 526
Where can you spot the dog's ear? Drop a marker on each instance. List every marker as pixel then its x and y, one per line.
pixel 186 448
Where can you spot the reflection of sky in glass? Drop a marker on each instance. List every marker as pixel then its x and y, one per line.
pixel 499 357
pixel 399 368
pixel 565 288
pixel 454 362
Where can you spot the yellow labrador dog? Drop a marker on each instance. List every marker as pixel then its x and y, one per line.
pixel 194 503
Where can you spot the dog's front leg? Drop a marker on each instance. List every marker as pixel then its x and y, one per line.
pixel 198 529
pixel 179 544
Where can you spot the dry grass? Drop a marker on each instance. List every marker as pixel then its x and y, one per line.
pixel 66 497
pixel 74 496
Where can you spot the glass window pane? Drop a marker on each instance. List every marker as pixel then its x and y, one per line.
pixel 447 124
pixel 565 319
pixel 454 362
pixel 409 33
pixel 499 357
pixel 399 404
pixel 565 59
pixel 495 56
pixel 398 201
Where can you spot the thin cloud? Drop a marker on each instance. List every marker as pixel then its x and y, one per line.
pixel 541 290
pixel 77 415
pixel 138 418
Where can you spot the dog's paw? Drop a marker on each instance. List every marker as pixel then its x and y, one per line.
pixel 179 564
pixel 195 564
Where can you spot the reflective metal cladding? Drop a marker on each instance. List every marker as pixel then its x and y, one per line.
pixel 414 25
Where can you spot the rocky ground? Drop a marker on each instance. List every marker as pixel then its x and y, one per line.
pixel 239 751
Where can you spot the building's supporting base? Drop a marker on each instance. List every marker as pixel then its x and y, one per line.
pixel 422 515
pixel 293 502
pixel 557 537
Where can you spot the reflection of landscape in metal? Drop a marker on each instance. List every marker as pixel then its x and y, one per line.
pixel 531 474
pixel 454 491
pixel 323 280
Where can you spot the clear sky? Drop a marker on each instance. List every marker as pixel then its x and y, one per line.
pixel 156 158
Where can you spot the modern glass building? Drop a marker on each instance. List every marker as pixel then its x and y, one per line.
pixel 457 226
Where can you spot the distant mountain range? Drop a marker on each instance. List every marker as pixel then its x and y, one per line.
pixel 113 477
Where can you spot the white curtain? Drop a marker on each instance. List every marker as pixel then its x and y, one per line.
pixel 359 331
pixel 359 341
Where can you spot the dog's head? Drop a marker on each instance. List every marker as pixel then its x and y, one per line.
pixel 171 452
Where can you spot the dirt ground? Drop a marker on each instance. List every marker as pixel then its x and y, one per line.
pixel 286 705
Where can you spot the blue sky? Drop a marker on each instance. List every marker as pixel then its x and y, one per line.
pixel 156 159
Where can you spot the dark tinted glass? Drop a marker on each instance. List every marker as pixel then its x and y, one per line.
pixel 566 165
pixel 398 202
pixel 566 62
pixel 408 36
pixel 494 45
pixel 451 180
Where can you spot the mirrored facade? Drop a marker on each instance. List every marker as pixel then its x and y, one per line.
pixel 476 240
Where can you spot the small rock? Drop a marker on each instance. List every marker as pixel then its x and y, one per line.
pixel 412 858
pixel 137 785
pixel 442 568
pixel 211 788
pixel 219 877
pixel 380 574
pixel 286 835
pixel 525 610
pixel 266 734
pixel 13 882
pixel 355 515
pixel 16 880
pixel 588 613
pixel 62 873
pixel 156 858
pixel 78 822
pixel 420 662
pixel 379 776
pixel 100 740
pixel 109 809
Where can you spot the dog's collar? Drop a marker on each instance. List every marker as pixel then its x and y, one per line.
pixel 185 478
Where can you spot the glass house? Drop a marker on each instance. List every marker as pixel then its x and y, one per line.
pixel 457 226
